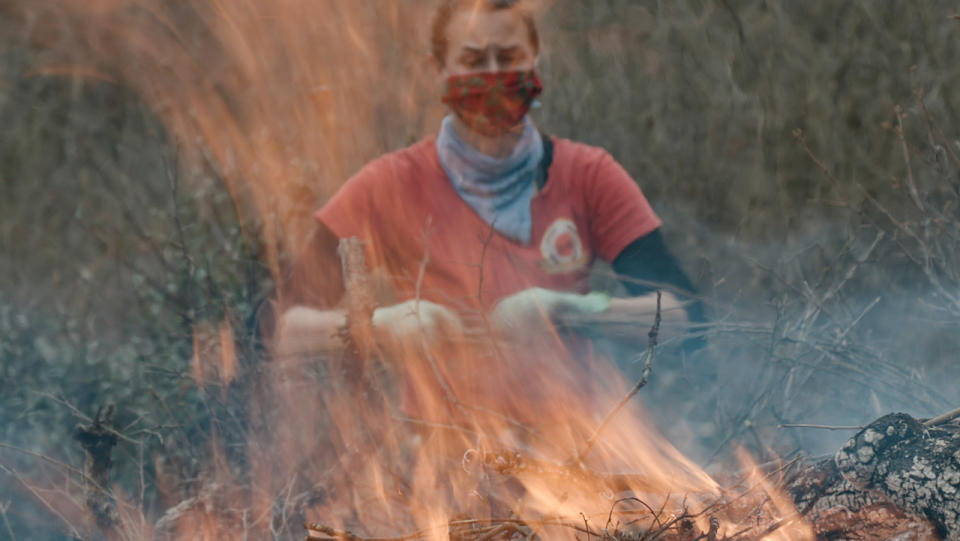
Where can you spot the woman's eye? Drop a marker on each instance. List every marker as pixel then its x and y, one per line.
pixel 472 61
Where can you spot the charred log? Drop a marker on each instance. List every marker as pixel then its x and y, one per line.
pixel 914 466
pixel 894 468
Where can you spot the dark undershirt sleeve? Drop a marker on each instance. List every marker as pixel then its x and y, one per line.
pixel 646 265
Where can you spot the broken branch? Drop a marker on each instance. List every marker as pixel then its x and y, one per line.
pixel 644 376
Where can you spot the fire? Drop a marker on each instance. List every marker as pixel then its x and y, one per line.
pixel 284 100
pixel 214 353
pixel 466 479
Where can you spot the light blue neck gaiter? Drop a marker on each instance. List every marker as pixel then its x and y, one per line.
pixel 498 189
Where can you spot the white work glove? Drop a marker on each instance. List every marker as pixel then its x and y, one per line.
pixel 410 322
pixel 536 309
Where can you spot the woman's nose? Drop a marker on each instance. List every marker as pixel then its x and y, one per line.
pixel 492 63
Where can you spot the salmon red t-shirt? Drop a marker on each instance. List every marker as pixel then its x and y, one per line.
pixel 432 243
pixel 406 209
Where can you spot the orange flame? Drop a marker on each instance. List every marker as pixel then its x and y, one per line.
pixel 285 99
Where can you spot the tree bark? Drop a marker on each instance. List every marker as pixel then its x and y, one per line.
pixel 897 465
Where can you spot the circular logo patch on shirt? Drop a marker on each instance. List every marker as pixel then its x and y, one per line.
pixel 562 248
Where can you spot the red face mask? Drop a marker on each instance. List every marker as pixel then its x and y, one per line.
pixel 492 103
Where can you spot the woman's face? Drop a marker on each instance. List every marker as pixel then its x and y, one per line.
pixel 487 41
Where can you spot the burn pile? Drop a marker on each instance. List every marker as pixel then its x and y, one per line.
pixel 340 455
pixel 898 478
pixel 357 469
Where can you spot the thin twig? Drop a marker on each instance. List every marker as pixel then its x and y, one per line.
pixel 654 514
pixel 644 376
pixel 38 496
pixel 44 458
pixel 437 426
pixel 772 528
pixel 499 529
pixel 911 184
pixel 683 515
pixel 821 427
pixel 87 419
pixel 428 354
pixel 6 521
pixel 856 321
pixel 943 419
pixel 343 535
pixel 931 125
pixel 798 134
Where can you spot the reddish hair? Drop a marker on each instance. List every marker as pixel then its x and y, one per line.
pixel 439 41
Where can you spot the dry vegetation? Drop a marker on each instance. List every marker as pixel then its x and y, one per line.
pixel 804 156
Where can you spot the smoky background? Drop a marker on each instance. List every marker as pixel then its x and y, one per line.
pixel 159 164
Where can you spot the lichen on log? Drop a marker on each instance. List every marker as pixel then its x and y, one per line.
pixel 915 467
pixel 892 470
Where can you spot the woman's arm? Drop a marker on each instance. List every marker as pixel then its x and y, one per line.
pixel 302 317
pixel 647 265
pixel 309 321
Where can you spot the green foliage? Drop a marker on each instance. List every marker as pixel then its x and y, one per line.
pixel 112 259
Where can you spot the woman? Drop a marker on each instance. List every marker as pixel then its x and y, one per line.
pixel 491 218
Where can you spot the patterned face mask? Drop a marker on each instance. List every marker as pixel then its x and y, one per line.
pixel 492 103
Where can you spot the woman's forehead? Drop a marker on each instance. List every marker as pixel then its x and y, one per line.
pixel 481 28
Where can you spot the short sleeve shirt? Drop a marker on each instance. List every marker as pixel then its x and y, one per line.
pixel 433 243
